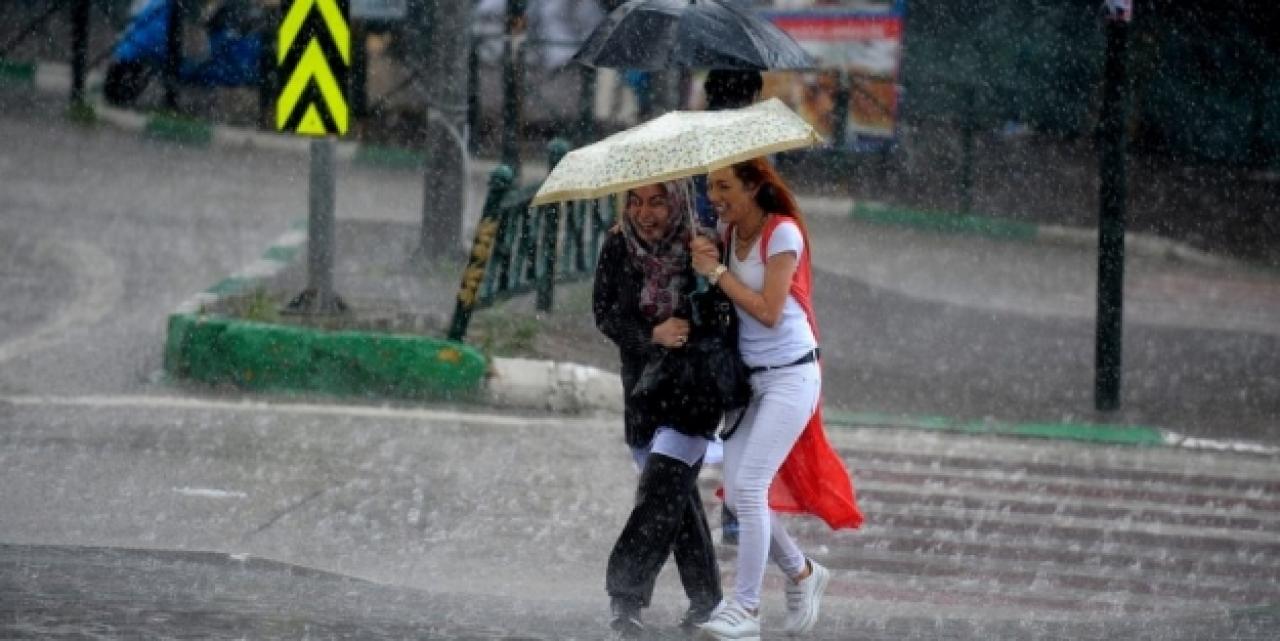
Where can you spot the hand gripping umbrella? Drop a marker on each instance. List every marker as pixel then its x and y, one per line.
pixel 690 34
pixel 675 145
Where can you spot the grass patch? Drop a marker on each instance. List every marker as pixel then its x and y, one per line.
pixel 257 305
pixel 179 129
pixel 502 332
pixel 83 114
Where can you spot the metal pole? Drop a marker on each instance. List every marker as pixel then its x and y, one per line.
pixel 473 95
pixel 320 226
pixel 587 105
pixel 79 49
pixel 1111 223
pixel 359 69
pixel 319 297
pixel 173 52
pixel 840 123
pixel 482 248
pixel 511 87
pixel 545 286
pixel 968 127
pixel 268 73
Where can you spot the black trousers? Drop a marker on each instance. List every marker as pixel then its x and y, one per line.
pixel 668 518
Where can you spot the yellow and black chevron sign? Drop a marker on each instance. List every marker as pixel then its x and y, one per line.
pixel 314 54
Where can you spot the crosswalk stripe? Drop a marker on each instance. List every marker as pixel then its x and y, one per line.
pixel 1040 469
pixel 907 514
pixel 1069 490
pixel 871 495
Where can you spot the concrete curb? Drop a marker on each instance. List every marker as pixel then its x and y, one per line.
pixel 553 386
pixel 1004 229
pixel 261 356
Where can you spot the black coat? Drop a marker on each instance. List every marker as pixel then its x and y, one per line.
pixel 616 304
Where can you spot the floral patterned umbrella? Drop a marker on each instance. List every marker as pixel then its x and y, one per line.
pixel 675 145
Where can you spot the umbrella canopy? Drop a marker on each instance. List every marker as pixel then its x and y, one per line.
pixel 691 34
pixel 674 145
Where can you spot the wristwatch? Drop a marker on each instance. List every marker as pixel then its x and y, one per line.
pixel 716 273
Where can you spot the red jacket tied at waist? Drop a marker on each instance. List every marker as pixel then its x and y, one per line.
pixel 812 479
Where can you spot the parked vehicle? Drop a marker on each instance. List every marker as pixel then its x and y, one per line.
pixel 232 60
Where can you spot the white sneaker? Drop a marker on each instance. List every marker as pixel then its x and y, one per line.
pixel 731 621
pixel 803 599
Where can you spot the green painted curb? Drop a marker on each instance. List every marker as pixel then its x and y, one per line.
pixel 945 222
pixel 1085 432
pixel 281 254
pixel 389 157
pixel 178 129
pixel 17 73
pixel 266 357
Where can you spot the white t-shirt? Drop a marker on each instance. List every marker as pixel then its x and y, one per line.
pixel 792 337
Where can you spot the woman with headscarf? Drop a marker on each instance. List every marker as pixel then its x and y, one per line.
pixel 641 303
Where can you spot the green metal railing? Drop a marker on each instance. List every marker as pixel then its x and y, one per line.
pixel 520 249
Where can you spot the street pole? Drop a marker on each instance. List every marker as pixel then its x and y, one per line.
pixel 445 179
pixel 511 86
pixel 173 52
pixel 586 105
pixel 968 128
pixel 1111 222
pixel 79 50
pixel 359 69
pixel 473 96
pixel 319 298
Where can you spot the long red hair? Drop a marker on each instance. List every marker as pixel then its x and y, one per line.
pixel 773 195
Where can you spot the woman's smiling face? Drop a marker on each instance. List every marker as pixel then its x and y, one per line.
pixel 731 198
pixel 648 209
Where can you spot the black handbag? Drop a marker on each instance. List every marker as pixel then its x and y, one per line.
pixel 718 349
pixel 707 373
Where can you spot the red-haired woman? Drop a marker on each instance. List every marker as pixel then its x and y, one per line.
pixel 778 458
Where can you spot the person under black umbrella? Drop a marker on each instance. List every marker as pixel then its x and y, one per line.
pixel 724 89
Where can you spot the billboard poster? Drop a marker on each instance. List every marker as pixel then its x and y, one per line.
pixel 859 38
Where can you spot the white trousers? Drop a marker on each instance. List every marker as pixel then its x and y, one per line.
pixel 783 402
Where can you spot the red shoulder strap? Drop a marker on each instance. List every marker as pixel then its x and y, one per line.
pixel 802 279
pixel 813 478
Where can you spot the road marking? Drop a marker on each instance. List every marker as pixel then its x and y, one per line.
pixel 312 409
pixel 210 493
pixel 1220 445
pixel 97 287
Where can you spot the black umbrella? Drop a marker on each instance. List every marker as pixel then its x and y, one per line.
pixel 691 34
